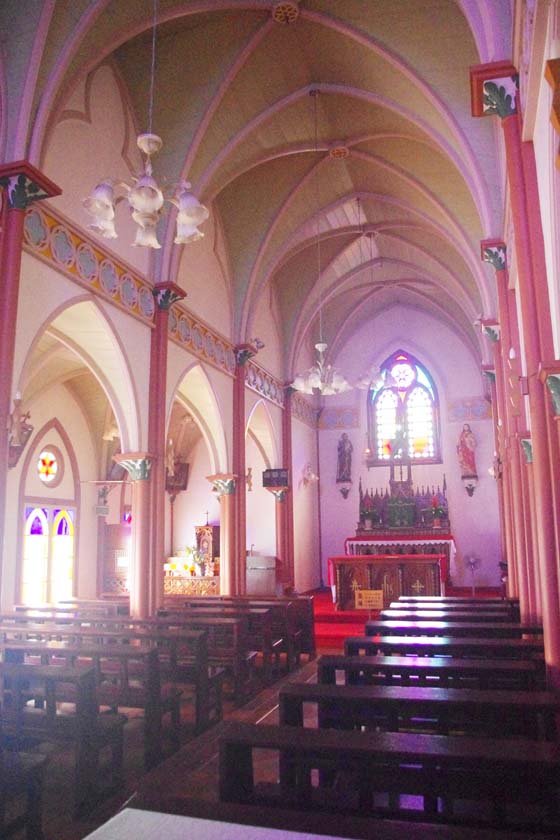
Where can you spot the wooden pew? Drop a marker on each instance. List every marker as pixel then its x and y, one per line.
pixel 512 776
pixel 479 605
pixel 527 714
pixel 259 627
pixel 438 671
pixel 302 605
pixel 458 599
pixel 115 689
pixel 464 617
pixel 286 625
pixel 89 731
pixel 21 776
pixel 494 630
pixel 445 646
pixel 183 656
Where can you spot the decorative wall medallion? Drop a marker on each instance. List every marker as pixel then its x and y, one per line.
pixel 343 417
pixel 128 291
pixel 146 302
pixel 62 246
pixel 470 408
pixel 86 262
pixel 184 330
pixel 35 230
pixel 108 277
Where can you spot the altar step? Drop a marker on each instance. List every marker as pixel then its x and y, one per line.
pixel 332 626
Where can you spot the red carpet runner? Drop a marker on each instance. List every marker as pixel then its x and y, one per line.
pixel 332 627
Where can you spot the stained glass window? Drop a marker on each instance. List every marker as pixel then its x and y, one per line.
pixel 403 413
pixel 47 466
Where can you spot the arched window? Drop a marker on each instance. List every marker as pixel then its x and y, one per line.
pixel 403 416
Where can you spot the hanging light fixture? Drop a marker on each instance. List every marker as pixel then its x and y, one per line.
pixel 321 378
pixel 145 198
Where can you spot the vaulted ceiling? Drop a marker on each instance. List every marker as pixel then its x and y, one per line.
pixel 385 165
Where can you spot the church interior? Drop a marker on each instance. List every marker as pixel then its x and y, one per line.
pixel 279 406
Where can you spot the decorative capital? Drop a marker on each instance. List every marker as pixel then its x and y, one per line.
pixel 24 184
pixel 553 385
pixel 494 89
pixel 166 294
pixel 549 375
pixel 495 253
pixel 527 447
pixel 137 464
pixel 490 373
pixel 279 493
pixel 491 330
pixel 244 352
pixel 223 484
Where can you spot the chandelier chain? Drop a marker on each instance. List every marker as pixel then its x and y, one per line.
pixel 153 68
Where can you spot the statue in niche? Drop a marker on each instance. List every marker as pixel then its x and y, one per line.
pixel 466 451
pixel 344 463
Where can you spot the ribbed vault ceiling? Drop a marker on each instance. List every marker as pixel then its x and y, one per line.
pixel 400 217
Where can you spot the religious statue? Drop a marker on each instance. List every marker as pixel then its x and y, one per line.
pixel 344 464
pixel 465 451
pixel 17 424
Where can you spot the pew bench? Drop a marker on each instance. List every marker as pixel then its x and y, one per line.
pixel 443 646
pixel 438 671
pixel 116 687
pixel 493 630
pixel 507 783
pixel 527 714
pixel 442 614
pixel 22 775
pixel 31 711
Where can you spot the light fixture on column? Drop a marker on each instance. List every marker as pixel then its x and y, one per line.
pixel 145 197
pixel 322 379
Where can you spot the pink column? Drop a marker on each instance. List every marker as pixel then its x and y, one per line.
pixel 224 485
pixel 138 466
pixel 243 352
pixel 495 91
pixel 22 185
pixel 165 295
pixel 280 508
pixel 287 460
pixel 494 252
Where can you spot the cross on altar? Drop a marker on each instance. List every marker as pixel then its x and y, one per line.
pixel 417 586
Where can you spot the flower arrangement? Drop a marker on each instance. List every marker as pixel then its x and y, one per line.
pixel 195 558
pixel 437 511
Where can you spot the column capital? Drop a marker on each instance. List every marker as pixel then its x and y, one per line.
pixel 279 493
pixel 24 184
pixel 491 329
pixel 244 352
pixel 494 89
pixel 494 251
pixel 166 294
pixel 488 371
pixel 549 374
pixel 526 447
pixel 223 483
pixel 137 464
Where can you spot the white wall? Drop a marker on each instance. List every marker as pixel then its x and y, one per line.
pixel 191 506
pixel 474 521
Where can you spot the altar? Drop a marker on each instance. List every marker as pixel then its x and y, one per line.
pixel 393 574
